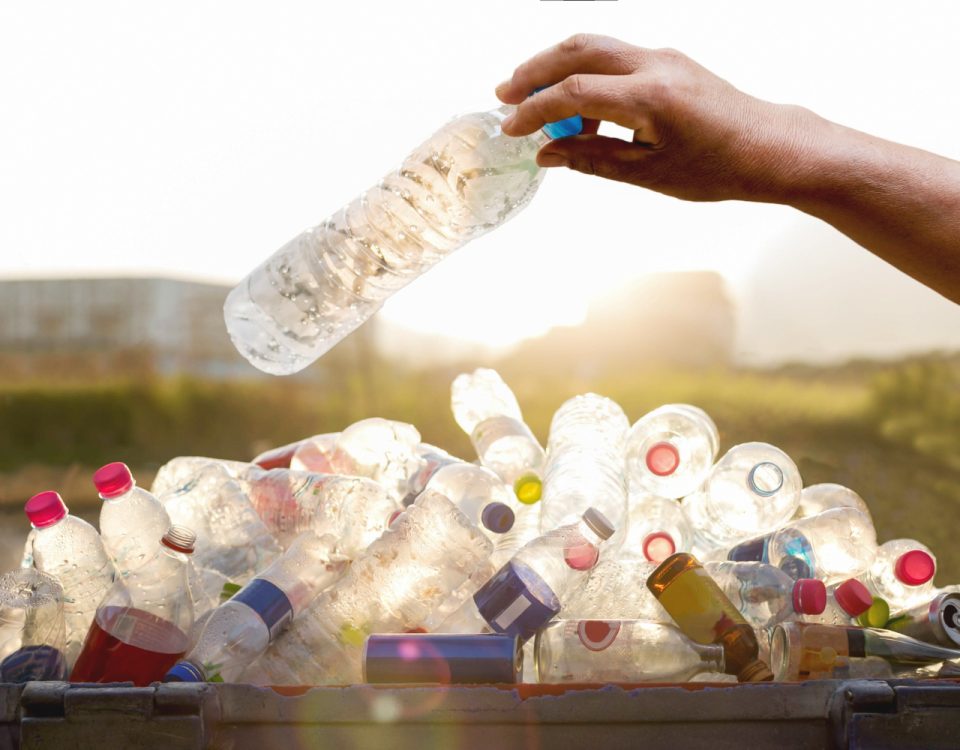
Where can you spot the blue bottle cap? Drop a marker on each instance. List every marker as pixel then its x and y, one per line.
pixel 497 517
pixel 562 128
pixel 516 601
pixel 445 658
pixel 184 671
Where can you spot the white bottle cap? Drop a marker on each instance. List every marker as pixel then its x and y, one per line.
pixel 598 523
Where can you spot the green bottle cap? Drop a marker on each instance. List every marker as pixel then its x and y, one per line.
pixel 228 590
pixel 877 616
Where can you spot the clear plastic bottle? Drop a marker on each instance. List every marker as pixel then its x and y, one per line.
pixel 315 454
pixel 70 550
pixel 131 519
pixel 432 460
pixel 765 595
pixel 480 494
pixel 846 601
pixel 657 527
pixel 585 463
pixel 620 651
pixel 241 628
pixel 820 497
pixel 428 552
pixel 180 473
pixel 671 450
pixel 753 489
pixel 902 573
pixel 467 179
pixel 527 592
pixel 231 537
pixel 355 510
pixel 206 588
pixel 32 631
pixel 526 528
pixel 614 590
pixel 486 409
pixel 832 546
pixel 705 615
pixel 383 450
pixel 141 626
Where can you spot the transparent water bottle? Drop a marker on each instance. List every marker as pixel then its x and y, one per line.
pixel 206 588
pixel 614 590
pixel 765 595
pixel 526 528
pixel 432 459
pixel 141 626
pixel 131 519
pixel 32 631
pixel 464 181
pixel 486 409
pixel 279 457
pixel 817 498
pixel 480 494
pixel 241 628
pixel 620 651
pixel 70 550
pixel 753 489
pixel 671 449
pixel 656 528
pixel 846 601
pixel 832 546
pixel 428 552
pixel 355 510
pixel 902 573
pixel 315 454
pixel 585 463
pixel 528 591
pixel 180 473
pixel 383 450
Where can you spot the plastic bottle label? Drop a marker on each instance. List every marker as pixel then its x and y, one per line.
pixel 516 601
pixel 269 602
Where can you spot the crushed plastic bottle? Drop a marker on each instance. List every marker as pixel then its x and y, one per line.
pixel 486 409
pixel 32 630
pixel 315 454
pixel 464 181
pixel 131 519
pixel 902 573
pixel 671 450
pixel 70 550
pixel 383 450
pixel 241 628
pixel 141 626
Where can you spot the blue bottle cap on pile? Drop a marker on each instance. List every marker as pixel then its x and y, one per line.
pixel 562 128
pixel 497 517
pixel 184 671
pixel 516 601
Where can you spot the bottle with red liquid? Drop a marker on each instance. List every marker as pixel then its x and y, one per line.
pixel 140 629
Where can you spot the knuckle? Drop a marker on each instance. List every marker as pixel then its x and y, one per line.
pixel 576 43
pixel 572 87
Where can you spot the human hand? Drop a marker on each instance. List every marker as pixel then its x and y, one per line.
pixel 695 136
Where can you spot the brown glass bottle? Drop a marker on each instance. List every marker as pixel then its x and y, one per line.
pixel 705 615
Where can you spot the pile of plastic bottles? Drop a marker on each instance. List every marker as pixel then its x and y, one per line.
pixel 620 553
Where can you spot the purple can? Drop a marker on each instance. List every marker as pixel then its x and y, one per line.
pixel 444 658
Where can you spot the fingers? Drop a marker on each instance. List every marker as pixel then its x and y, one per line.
pixel 616 99
pixel 581 53
pixel 597 155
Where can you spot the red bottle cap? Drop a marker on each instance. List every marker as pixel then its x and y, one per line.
pixel 658 546
pixel 915 567
pixel 809 596
pixel 853 597
pixel 663 459
pixel 45 509
pixel 112 480
pixel 180 539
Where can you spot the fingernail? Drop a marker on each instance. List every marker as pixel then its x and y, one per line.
pixel 508 121
pixel 553 160
pixel 502 88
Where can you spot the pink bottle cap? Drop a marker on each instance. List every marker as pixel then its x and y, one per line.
pixel 394 516
pixel 658 546
pixel 180 539
pixel 914 568
pixel 45 509
pixel 853 597
pixel 663 459
pixel 809 596
pixel 112 480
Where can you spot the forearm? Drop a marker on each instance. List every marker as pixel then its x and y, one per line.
pixel 901 203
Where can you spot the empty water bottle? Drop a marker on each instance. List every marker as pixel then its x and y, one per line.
pixel 181 471
pixel 141 625
pixel 846 601
pixel 383 450
pixel 753 489
pixel 432 459
pixel 464 181
pixel 313 454
pixel 486 409
pixel 480 494
pixel 427 552
pixel 902 573
pixel 765 595
pixel 620 651
pixel 585 463
pixel 70 550
pixel 528 591
pixel 671 449
pixel 657 527
pixel 820 497
pixel 614 590
pixel 240 629
pixel 131 519
pixel 32 631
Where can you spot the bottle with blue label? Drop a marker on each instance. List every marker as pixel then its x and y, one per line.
pixel 241 628
pixel 527 592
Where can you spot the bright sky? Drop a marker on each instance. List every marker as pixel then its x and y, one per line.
pixel 194 138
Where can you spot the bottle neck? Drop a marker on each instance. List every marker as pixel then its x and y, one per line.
pixel 897 648
pixel 711 656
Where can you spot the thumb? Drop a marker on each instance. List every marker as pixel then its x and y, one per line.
pixel 598 155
